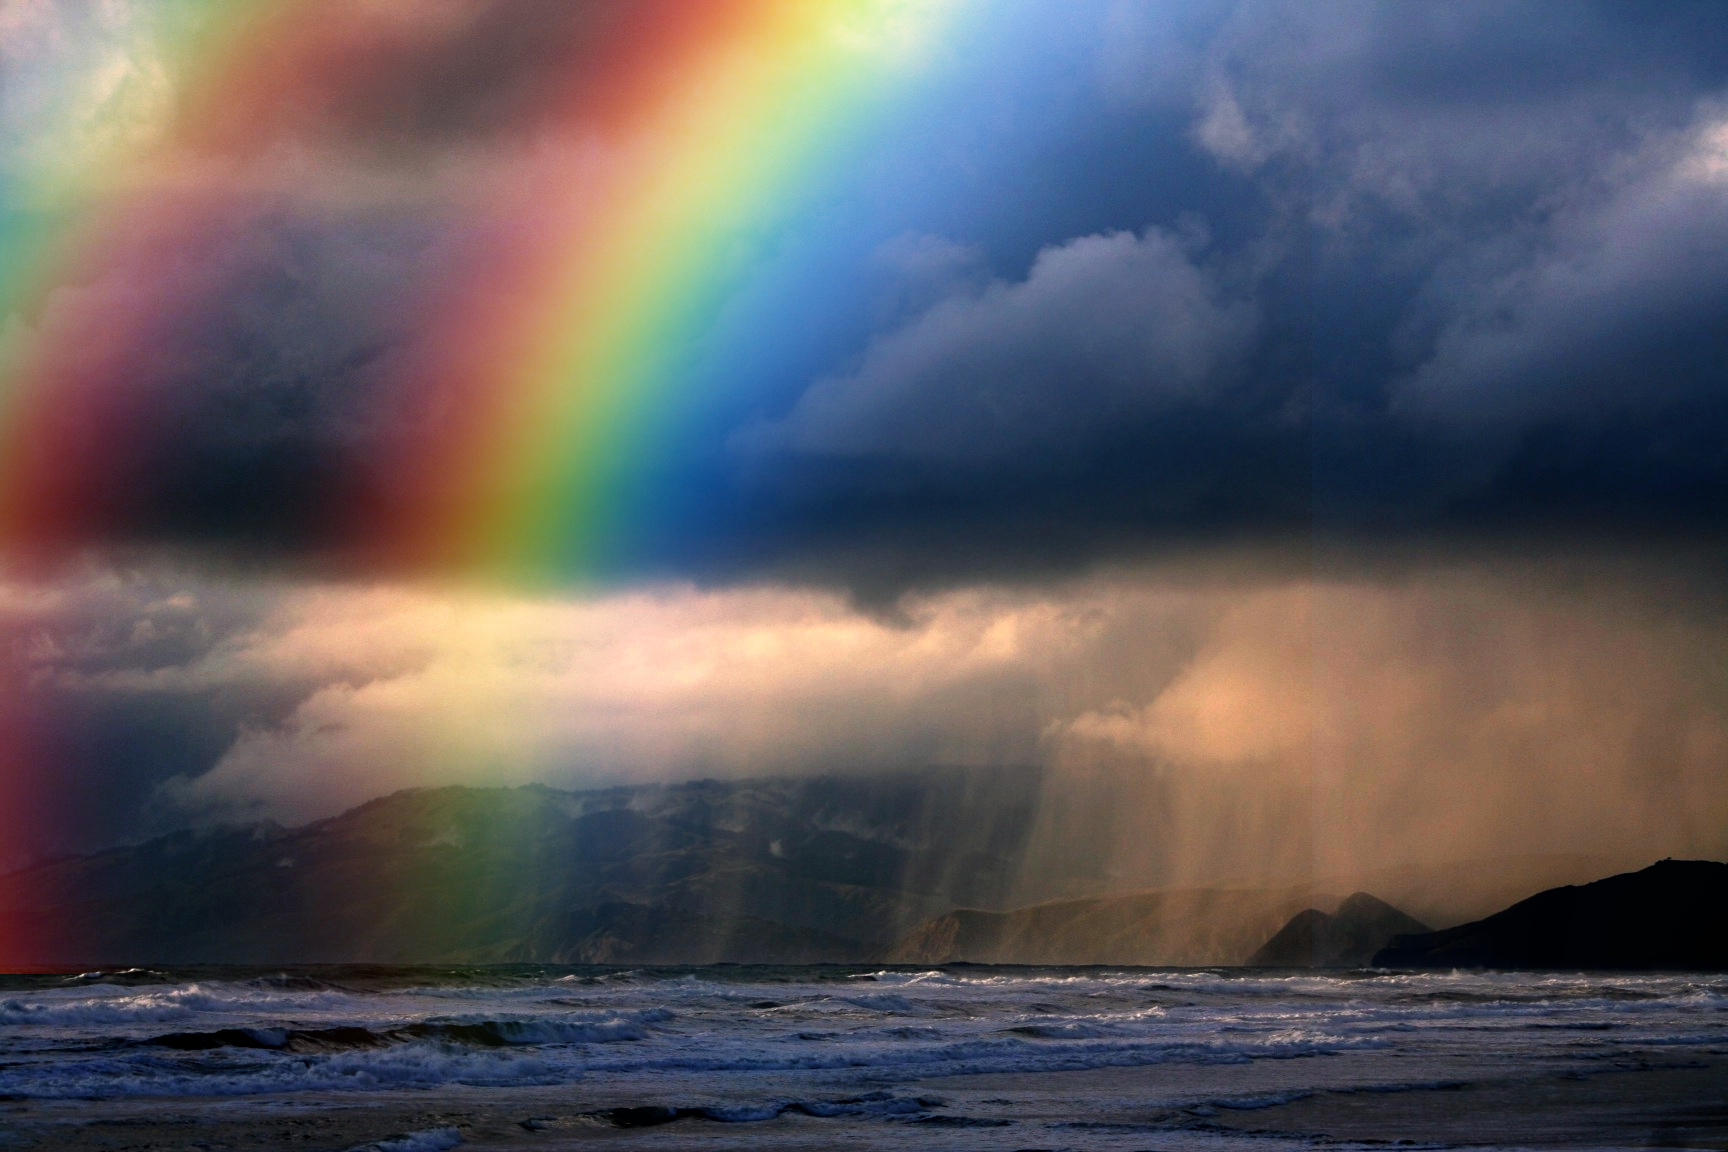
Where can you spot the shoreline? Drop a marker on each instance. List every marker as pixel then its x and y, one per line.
pixel 1679 1101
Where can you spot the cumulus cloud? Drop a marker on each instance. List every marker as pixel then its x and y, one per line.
pixel 1104 329
pixel 1480 253
pixel 1547 187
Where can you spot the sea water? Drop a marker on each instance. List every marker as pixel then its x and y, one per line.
pixel 855 1048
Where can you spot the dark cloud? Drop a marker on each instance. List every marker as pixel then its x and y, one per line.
pixel 1283 292
pixel 101 753
pixel 1618 309
pixel 1214 272
pixel 1486 253
pixel 230 419
pixel 1104 330
pixel 406 85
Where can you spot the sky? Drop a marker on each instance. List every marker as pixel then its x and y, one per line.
pixel 1245 405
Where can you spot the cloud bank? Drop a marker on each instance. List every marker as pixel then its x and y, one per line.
pixel 1268 728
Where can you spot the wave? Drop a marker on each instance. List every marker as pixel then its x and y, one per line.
pixel 287 1033
pixel 877 1104
pixel 886 1002
pixel 500 1033
pixel 425 1140
pixel 419 1065
pixel 408 1060
pixel 1065 1030
pixel 484 1033
pixel 276 1039
pixel 994 1054
pixel 118 1005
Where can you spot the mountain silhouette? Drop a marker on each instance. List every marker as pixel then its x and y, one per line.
pixel 1673 914
pixel 790 870
pixel 1349 938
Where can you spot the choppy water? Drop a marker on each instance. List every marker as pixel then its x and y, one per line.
pixel 743 1044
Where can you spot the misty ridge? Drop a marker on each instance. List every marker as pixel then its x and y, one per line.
pixel 936 866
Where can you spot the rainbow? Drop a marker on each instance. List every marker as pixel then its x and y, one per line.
pixel 567 303
pixel 655 145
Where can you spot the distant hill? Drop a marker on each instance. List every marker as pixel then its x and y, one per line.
pixel 924 866
pixel 1444 893
pixel 1349 938
pixel 788 870
pixel 1673 914
pixel 1164 927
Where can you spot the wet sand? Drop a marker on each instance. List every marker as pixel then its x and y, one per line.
pixel 1678 1101
pixel 1652 1108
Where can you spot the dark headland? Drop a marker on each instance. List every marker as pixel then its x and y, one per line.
pixel 1349 938
pixel 1673 915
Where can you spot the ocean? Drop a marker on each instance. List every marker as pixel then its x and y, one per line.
pixel 407 1059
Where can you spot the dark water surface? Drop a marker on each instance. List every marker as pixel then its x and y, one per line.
pixel 830 1056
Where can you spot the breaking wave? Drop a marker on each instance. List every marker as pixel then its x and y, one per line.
pixel 311 1032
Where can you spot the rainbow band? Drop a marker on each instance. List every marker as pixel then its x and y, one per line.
pixel 579 293
pixel 558 334
pixel 572 380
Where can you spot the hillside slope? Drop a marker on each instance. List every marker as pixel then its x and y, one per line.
pixel 794 870
pixel 1199 926
pixel 1673 914
pixel 1348 938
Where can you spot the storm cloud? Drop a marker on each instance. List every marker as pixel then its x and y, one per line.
pixel 1238 404
pixel 1103 330
pixel 1388 272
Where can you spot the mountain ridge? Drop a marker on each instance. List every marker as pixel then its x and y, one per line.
pixel 1347 938
pixel 1671 915
pixel 1156 927
pixel 927 866
pixel 796 869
